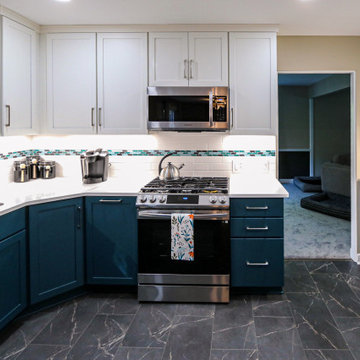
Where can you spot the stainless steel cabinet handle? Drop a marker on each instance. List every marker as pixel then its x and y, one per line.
pixel 8 115
pixel 257 228
pixel 100 111
pixel 112 201
pixel 248 263
pixel 79 217
pixel 256 207
pixel 232 118
pixel 92 117
pixel 185 66
pixel 191 71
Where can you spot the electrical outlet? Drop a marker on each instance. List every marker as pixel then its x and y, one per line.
pixel 236 166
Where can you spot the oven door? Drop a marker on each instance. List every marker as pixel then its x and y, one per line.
pixel 211 243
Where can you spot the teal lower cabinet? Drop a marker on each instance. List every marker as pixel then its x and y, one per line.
pixel 257 262
pixel 257 243
pixel 111 240
pixel 56 248
pixel 12 276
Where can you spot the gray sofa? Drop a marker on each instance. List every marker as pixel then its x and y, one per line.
pixel 334 199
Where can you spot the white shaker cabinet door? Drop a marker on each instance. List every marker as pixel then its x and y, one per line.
pixel 122 82
pixel 208 58
pixel 71 83
pixel 19 58
pixel 253 83
pixel 168 59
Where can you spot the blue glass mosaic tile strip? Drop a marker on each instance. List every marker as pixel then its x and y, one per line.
pixel 71 152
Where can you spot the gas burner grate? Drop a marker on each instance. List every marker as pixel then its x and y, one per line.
pixel 189 185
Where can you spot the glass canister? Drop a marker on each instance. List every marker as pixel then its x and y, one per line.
pixel 33 162
pixel 47 169
pixel 21 171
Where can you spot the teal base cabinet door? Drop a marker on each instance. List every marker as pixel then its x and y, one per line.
pixel 111 240
pixel 56 248
pixel 12 277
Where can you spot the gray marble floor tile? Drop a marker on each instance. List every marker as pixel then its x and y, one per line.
pixel 68 325
pixel 297 278
pixel 350 328
pixel 44 352
pixel 271 305
pixel 316 326
pixel 202 310
pixel 125 353
pixel 89 303
pixel 329 355
pixel 120 304
pixel 321 267
pixel 189 339
pixel 234 355
pixel 102 338
pixel 20 334
pixel 338 296
pixel 351 273
pixel 234 326
pixel 278 338
pixel 151 326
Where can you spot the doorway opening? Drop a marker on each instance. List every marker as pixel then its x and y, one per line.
pixel 315 157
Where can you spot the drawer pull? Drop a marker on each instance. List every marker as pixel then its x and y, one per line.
pixel 257 208
pixel 248 263
pixel 257 228
pixel 119 201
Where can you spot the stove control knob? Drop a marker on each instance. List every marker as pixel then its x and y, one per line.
pixel 222 200
pixel 143 198
pixel 152 198
pixel 162 199
pixel 213 199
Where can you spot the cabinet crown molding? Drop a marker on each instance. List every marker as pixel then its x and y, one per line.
pixel 159 27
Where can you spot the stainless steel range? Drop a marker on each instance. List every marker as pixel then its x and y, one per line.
pixel 206 278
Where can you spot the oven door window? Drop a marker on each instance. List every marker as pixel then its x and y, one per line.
pixel 179 108
pixel 211 248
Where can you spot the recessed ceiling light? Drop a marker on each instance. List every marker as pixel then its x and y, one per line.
pixel 63 0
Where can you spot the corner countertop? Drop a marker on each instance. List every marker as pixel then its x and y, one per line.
pixel 17 195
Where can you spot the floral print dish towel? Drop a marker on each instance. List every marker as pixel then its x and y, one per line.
pixel 182 236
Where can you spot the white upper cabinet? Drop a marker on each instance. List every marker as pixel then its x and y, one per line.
pixel 71 83
pixel 188 59
pixel 208 59
pixel 122 82
pixel 168 59
pixel 253 83
pixel 19 79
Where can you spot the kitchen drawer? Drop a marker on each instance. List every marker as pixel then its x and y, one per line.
pixel 256 207
pixel 257 262
pixel 11 223
pixel 257 227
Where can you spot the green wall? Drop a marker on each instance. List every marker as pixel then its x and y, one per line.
pixel 331 127
pixel 293 117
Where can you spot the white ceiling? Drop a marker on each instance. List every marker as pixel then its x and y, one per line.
pixel 295 17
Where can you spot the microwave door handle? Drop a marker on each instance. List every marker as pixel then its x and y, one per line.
pixel 211 108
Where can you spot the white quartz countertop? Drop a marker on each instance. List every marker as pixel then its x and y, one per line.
pixel 256 186
pixel 17 195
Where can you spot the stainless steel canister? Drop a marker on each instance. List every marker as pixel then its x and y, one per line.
pixel 21 171
pixel 47 169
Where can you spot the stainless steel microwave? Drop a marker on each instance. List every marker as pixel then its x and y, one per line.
pixel 188 108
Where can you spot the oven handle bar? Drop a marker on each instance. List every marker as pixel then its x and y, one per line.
pixel 208 216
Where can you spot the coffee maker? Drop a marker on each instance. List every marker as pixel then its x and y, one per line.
pixel 94 166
